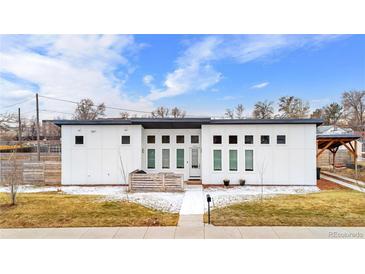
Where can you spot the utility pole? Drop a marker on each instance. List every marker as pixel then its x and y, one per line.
pixel 38 143
pixel 19 128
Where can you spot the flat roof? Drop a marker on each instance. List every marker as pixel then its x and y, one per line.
pixel 183 122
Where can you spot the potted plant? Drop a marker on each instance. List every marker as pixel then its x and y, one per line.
pixel 226 182
pixel 242 182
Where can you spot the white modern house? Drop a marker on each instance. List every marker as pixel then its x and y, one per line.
pixel 105 151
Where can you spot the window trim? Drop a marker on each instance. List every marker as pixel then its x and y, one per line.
pixel 121 140
pixel 154 139
pixel 154 158
pixel 183 139
pixel 221 161
pixel 220 140
pixel 194 136
pixel 253 140
pixel 162 142
pixel 183 158
pixel 261 140
pixel 83 140
pixel 162 158
pixel 277 139
pixel 253 160
pixel 229 160
pixel 229 141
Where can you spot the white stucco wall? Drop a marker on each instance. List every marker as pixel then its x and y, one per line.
pixel 293 163
pixel 98 160
pixel 158 146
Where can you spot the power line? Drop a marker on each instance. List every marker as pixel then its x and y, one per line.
pixel 18 103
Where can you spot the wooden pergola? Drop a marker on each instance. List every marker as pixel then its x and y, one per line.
pixel 333 142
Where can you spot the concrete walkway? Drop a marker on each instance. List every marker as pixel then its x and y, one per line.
pixel 193 202
pixel 340 182
pixel 186 232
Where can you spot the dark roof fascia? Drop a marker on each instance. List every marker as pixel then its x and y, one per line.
pixel 266 121
pixel 338 136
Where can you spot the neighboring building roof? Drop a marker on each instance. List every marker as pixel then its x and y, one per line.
pixel 183 122
pixel 332 130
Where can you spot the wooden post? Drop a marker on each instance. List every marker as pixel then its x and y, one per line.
pixel 163 182
pixel 38 141
pixel 130 181
pixel 355 159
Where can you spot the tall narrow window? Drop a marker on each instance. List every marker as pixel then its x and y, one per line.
pixel 233 160
pixel 249 160
pixel 265 139
pixel 79 140
pixel 165 158
pixel 217 159
pixel 151 158
pixel 180 158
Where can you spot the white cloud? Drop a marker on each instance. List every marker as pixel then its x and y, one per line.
pixel 261 85
pixel 148 81
pixel 195 70
pixel 71 67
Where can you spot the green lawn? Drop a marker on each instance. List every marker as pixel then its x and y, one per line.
pixel 326 208
pixel 60 210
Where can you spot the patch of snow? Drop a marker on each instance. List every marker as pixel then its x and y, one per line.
pixel 227 196
pixel 165 201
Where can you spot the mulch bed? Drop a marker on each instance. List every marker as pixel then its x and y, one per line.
pixel 323 184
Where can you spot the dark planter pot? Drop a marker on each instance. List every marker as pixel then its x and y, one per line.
pixel 242 182
pixel 226 182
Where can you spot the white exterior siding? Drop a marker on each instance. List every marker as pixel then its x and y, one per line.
pixel 98 160
pixel 293 163
pixel 173 146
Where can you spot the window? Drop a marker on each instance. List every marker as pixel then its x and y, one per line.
pixel 165 158
pixel 265 139
pixel 217 159
pixel 233 160
pixel 151 158
pixel 126 140
pixel 249 160
pixel 151 139
pixel 180 139
pixel 217 139
pixel 165 139
pixel 79 140
pixel 194 139
pixel 280 139
pixel 248 139
pixel 179 158
pixel 232 139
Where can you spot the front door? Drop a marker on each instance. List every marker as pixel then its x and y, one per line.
pixel 194 162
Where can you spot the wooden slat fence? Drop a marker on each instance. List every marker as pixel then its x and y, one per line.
pixel 156 182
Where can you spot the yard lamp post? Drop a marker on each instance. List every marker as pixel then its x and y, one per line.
pixel 209 199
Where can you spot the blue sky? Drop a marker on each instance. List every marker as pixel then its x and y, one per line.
pixel 204 74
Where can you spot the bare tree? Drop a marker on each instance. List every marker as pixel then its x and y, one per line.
pixel 87 110
pixel 332 113
pixel 317 113
pixel 12 177
pixel 178 113
pixel 124 115
pixel 354 106
pixel 229 113
pixel 261 172
pixel 293 107
pixel 160 112
pixel 263 110
pixel 239 109
pixel 6 121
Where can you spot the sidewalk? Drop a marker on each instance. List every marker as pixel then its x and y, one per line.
pixel 186 232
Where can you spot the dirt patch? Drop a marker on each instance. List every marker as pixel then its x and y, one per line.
pixel 323 184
